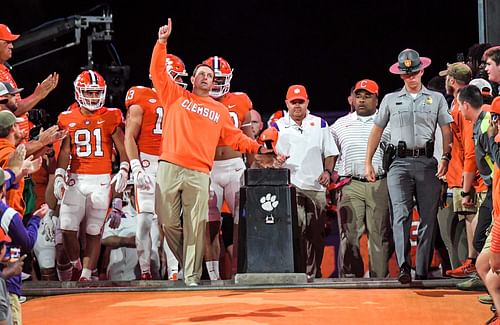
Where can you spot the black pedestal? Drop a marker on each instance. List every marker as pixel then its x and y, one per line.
pixel 268 232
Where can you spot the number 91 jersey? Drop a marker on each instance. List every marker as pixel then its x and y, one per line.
pixel 91 138
pixel 149 138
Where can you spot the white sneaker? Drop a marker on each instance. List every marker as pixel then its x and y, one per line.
pixel 22 299
pixel 193 284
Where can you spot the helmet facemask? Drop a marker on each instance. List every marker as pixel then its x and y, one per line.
pixel 90 81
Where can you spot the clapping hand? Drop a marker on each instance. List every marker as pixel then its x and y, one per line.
pixel 46 86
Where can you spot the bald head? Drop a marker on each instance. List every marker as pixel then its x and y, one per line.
pixel 257 124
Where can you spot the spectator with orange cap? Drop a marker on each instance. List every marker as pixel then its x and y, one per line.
pixel 307 141
pixel 363 206
pixel 41 91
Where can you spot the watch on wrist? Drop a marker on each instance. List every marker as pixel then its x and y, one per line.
pixel 446 156
pixel 464 194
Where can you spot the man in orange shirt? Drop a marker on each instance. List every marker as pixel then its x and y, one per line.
pixel 182 180
pixel 228 169
pixel 461 169
pixel 93 130
pixel 41 91
pixel 143 134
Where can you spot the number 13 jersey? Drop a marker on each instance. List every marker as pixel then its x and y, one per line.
pixel 91 138
pixel 149 139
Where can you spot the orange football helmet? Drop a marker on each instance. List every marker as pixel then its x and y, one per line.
pixel 269 137
pixel 90 82
pixel 223 76
pixel 276 116
pixel 176 69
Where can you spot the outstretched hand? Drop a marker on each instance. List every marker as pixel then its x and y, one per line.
pixel 164 32
pixel 47 85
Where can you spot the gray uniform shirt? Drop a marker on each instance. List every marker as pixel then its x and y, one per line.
pixel 413 120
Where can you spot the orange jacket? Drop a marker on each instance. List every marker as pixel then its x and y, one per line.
pixel 193 125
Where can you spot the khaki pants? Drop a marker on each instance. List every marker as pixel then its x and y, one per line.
pixel 15 305
pixel 364 207
pixel 311 221
pixel 181 189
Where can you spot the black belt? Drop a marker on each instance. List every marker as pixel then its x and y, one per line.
pixel 417 152
pixel 364 179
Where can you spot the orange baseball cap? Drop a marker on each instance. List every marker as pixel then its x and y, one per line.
pixel 6 34
pixel 296 92
pixel 368 85
pixel 494 107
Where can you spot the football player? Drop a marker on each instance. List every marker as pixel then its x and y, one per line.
pixel 228 168
pixel 143 133
pixel 85 190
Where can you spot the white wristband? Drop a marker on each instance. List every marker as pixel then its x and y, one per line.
pixel 125 166
pixel 60 172
pixel 135 164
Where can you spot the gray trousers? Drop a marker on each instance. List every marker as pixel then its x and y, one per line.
pixel 410 178
pixel 452 231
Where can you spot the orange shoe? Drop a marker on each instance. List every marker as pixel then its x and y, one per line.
pixel 84 279
pixel 173 276
pixel 463 271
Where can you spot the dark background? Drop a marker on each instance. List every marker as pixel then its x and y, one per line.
pixel 325 45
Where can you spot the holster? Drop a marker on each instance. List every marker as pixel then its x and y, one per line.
pixel 429 148
pixel 389 153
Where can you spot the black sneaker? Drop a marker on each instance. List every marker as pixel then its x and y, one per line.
pixel 404 276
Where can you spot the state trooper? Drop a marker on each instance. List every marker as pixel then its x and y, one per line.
pixel 414 113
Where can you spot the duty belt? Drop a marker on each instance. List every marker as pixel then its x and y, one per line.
pixel 417 152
